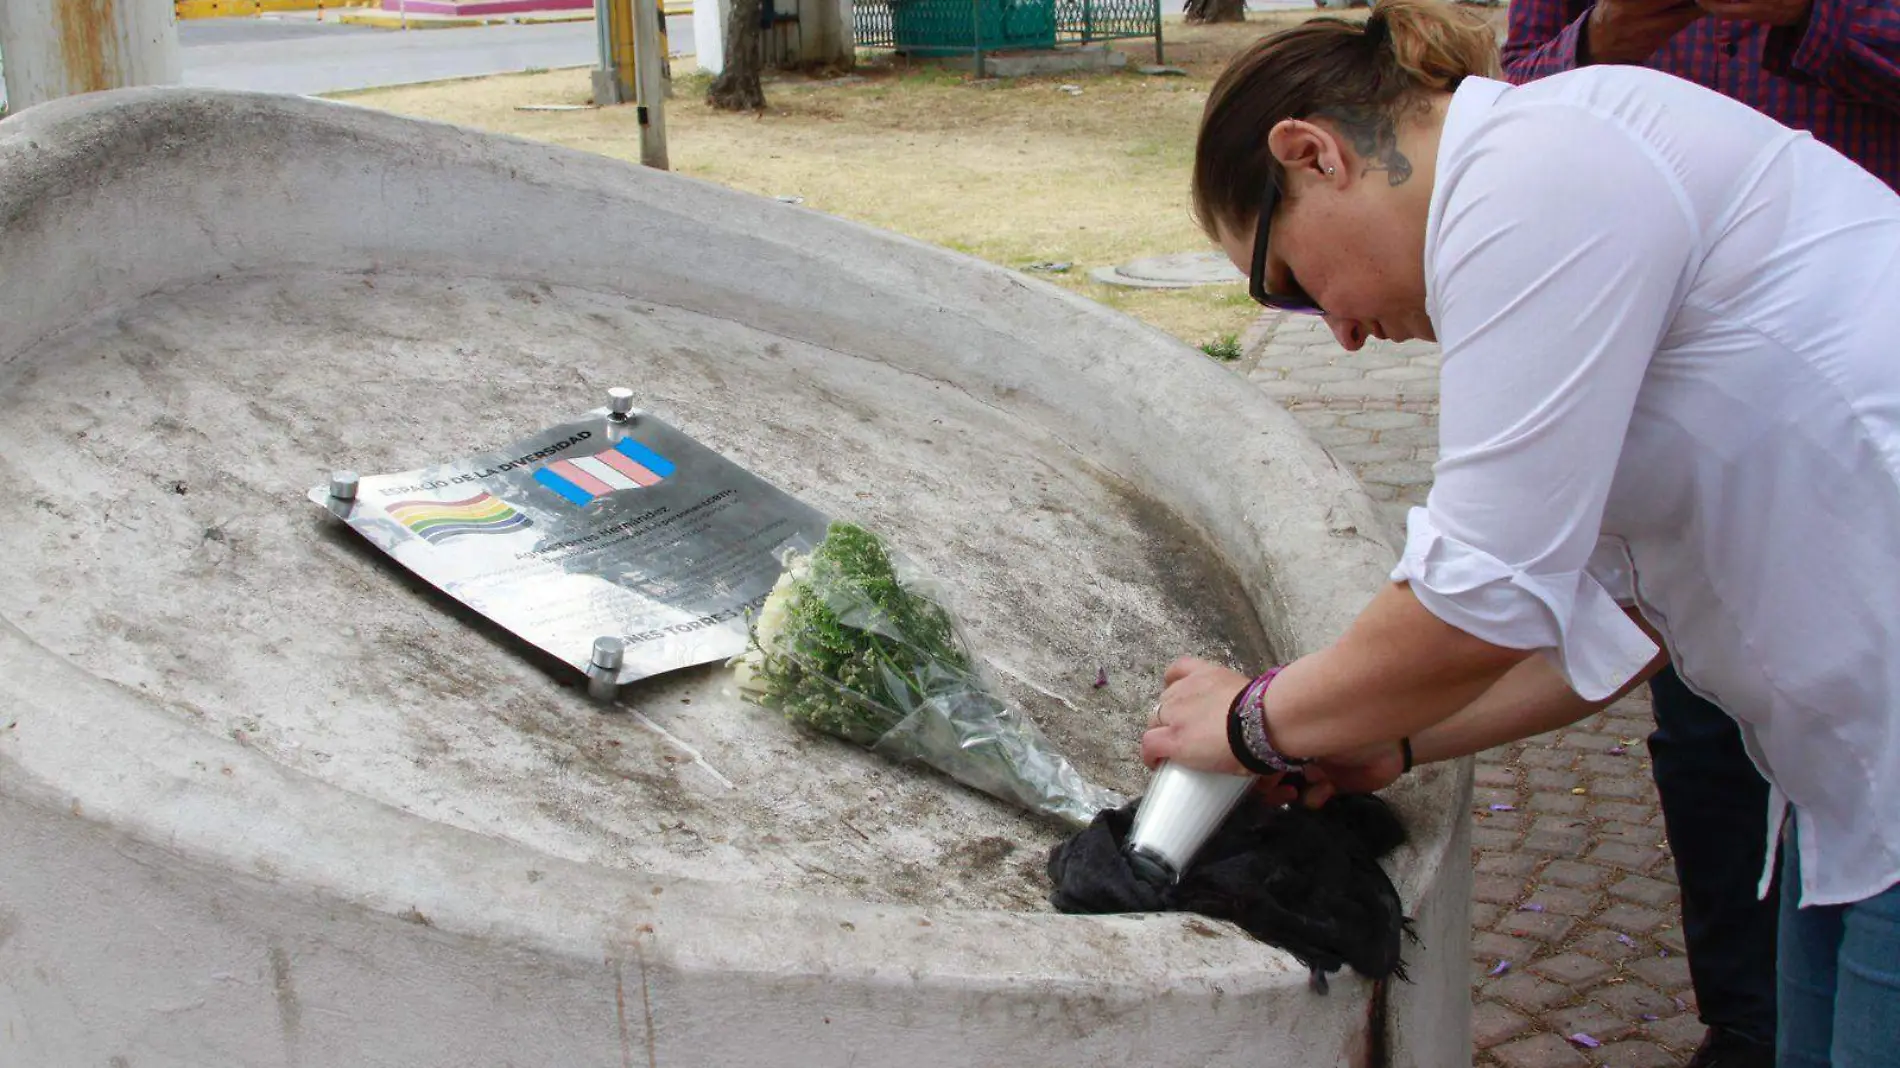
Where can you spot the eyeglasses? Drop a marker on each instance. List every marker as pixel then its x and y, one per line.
pixel 1296 301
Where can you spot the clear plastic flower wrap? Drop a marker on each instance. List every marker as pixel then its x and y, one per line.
pixel 854 643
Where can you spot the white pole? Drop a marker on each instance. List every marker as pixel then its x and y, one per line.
pixel 57 48
pixel 709 35
pixel 650 81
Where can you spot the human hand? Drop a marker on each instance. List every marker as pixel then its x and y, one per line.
pixel 1362 771
pixel 1630 31
pixel 1189 727
pixel 1768 12
pixel 1189 724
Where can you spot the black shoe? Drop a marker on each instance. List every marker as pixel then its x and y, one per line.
pixel 1726 1049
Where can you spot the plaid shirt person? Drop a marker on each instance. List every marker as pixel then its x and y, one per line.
pixel 1836 73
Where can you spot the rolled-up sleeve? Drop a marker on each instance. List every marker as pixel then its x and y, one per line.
pixel 1574 615
pixel 1556 258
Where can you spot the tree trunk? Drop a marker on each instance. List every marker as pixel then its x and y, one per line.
pixel 737 87
pixel 1216 10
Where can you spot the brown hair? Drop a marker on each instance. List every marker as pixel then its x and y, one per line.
pixel 1363 77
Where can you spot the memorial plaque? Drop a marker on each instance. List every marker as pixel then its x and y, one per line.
pixel 614 525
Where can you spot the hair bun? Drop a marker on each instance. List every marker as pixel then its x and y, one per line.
pixel 1378 31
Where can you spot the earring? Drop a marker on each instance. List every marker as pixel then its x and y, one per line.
pixel 1329 170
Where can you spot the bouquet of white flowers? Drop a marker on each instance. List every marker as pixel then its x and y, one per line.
pixel 848 645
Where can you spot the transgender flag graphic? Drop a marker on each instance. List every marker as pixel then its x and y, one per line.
pixel 628 465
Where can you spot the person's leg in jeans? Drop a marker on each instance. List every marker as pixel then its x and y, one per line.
pixel 1715 805
pixel 1810 955
pixel 1840 979
pixel 1867 987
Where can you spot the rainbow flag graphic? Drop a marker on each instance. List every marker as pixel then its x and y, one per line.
pixel 438 521
pixel 628 465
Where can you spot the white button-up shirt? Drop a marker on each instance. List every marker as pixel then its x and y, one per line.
pixel 1671 332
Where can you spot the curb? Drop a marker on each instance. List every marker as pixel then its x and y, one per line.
pixel 390 20
pixel 225 9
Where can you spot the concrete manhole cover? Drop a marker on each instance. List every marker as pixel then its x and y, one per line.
pixel 1181 270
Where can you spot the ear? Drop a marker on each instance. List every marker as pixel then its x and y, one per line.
pixel 1309 152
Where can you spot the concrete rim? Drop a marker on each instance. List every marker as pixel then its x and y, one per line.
pixel 1298 528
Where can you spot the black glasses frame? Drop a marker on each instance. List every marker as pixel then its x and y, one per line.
pixel 1257 278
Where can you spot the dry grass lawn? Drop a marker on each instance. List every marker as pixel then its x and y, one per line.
pixel 1015 171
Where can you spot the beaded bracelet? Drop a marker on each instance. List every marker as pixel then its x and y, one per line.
pixel 1247 730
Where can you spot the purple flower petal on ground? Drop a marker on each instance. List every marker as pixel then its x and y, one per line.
pixel 1101 677
pixel 1626 940
pixel 1662 953
pixel 1584 1040
pixel 1532 907
pixel 1651 1017
pixel 1503 966
pixel 1617 750
pixel 1504 808
pixel 1681 1005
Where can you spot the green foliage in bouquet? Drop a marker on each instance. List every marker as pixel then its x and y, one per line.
pixel 841 626
pixel 848 646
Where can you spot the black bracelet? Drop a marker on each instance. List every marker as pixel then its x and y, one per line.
pixel 1405 750
pixel 1237 741
pixel 1247 730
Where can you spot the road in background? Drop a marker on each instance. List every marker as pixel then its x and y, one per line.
pixel 294 53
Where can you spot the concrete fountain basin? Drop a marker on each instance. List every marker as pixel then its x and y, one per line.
pixel 266 800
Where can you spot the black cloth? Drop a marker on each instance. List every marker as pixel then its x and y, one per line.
pixel 1306 881
pixel 1715 805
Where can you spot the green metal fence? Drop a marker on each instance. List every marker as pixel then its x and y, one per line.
pixel 976 27
pixel 1089 21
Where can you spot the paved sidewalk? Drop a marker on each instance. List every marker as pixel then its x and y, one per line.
pixel 1575 930
pixel 1376 410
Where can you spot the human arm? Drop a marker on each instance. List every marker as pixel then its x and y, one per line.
pixel 1550 36
pixel 1852 47
pixel 1543 38
pixel 1398 666
pixel 1406 673
pixel 1531 699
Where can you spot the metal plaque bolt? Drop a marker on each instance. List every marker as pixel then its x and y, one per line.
pixel 603 672
pixel 619 403
pixel 343 485
pixel 608 653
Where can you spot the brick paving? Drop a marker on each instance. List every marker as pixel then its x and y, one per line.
pixel 1575 929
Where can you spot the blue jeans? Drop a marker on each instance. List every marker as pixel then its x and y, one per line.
pixel 1715 805
pixel 1840 978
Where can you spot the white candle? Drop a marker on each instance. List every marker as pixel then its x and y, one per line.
pixel 1181 811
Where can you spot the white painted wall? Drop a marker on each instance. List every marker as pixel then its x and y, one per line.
pixel 60 47
pixel 824 29
pixel 709 35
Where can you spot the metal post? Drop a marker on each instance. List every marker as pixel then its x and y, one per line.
pixel 602 47
pixel 976 33
pixel 614 32
pixel 666 52
pixel 57 48
pixel 1158 59
pixel 650 80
